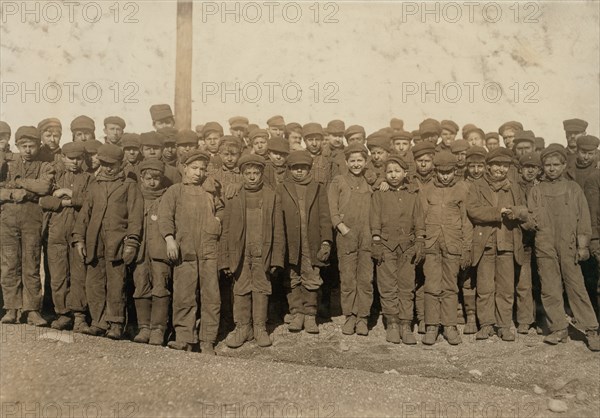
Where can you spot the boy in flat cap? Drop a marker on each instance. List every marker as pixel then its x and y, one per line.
pixel 508 130
pixel 238 127
pixel 540 144
pixel 276 167
pixel 398 233
pixel 83 128
pixel 430 130
pixel 24 180
pixel 152 268
pixel 252 248
pixel 4 137
pixel 228 175
pixel 496 208
pixel 334 137
pixel 213 132
pixel 449 234
pixel 379 144
pixel 308 234
pixel 91 163
pixel 492 141
pixel 574 128
pixel 50 131
pixel 169 143
pixel 107 236
pixel 66 268
pixel 258 141
pixel 580 168
pixel 349 199
pixel 132 154
pixel 276 126
pixel 293 135
pixel 459 149
pixel 114 126
pixel 322 167
pixel 152 146
pixel 194 201
pixel 162 116
pixel 448 135
pixel 563 230
pixel 523 143
pixel 401 146
pixel 186 141
pixel 473 135
pixel 475 163
pixel 416 136
pixel 355 133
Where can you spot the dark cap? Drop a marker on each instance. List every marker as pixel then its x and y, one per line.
pixel 73 149
pixel 355 147
pixel 423 148
pixel 587 143
pixel 49 123
pixel 259 133
pixel 533 158
pixel 444 160
pixel 251 159
pixel 311 129
pixel 195 155
pixel 336 127
pixel 92 146
pixel 397 124
pixel 499 155
pixel 152 164
pixel 353 130
pixel 186 136
pixel 494 135
pixel 238 122
pixel 115 120
pixel 211 127
pixel 4 128
pixel 151 139
pixel 524 136
pixel 110 153
pixel 299 157
pixel 276 121
pixel 168 135
pixel 398 160
pixel 379 139
pixel 430 126
pixel 401 134
pixel 553 149
pixel 575 125
pixel 27 132
pixel 231 141
pixel 130 140
pixel 293 127
pixel 160 112
pixel 459 145
pixel 278 144
pixel 540 143
pixel 83 123
pixel 476 154
pixel 449 125
pixel 512 124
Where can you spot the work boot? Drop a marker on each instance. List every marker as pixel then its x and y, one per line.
pixel 556 337
pixel 523 328
pixel 310 324
pixel 241 334
pixel 452 336
pixel 593 340
pixel 349 325
pixel 115 332
pixel 93 330
pixel 485 332
pixel 460 316
pixel 143 335
pixel 10 317
pixel 406 333
pixel 79 322
pixel 392 333
pixel 159 314
pixel 62 322
pixel 260 303
pixel 471 325
pixel 422 327
pixel 506 334
pixel 206 347
pixel 262 336
pixel 178 345
pixel 34 318
pixel 297 323
pixel 157 336
pixel 430 335
pixel 361 326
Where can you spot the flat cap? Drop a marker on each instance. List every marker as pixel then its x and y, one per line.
pixel 587 143
pixel 293 127
pixel 152 164
pixel 468 128
pixel 230 140
pixel 379 139
pixel 398 160
pixel 252 127
pixel 239 122
pixel 49 123
pixel 397 124
pixel 251 159
pixel 401 134
pixel 355 147
pixel 276 121
pixel 83 122
pixel 27 132
pixel 73 149
pixel 476 154
pixel 444 160
pixel 186 136
pixel 494 135
pixel 262 133
pixel 92 146
pixel 540 143
pixel 336 127
pixel 160 112
pixel 575 125
pixel 278 144
pixel 110 153
pixel 430 126
pixel 416 134
pixel 130 140
pixel 532 158
pixel 459 145
pixel 524 136
pixel 4 128
pixel 311 129
pixel 353 130
pixel 195 155
pixel 423 148
pixel 211 127
pixel 299 157
pixel 449 125
pixel 115 120
pixel 553 149
pixel 499 155
pixel 152 139
pixel 512 124
pixel 168 135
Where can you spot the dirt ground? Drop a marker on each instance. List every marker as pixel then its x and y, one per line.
pixel 46 373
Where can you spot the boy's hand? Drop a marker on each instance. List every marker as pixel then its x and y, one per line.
pixel 520 213
pixel 377 251
pixel 324 252
pixel 227 272
pixel 231 190
pixel 583 254
pixel 80 248
pixel 129 253
pixel 465 260
pixel 595 248
pixel 19 195
pixel 172 248
pixel 419 251
pixel 384 186
pixel 64 192
pixel 274 270
pixel 66 203
pixel 343 229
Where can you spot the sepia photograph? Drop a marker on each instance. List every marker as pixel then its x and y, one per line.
pixel 299 208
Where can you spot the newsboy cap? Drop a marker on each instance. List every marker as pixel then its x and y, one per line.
pixel 293 127
pixel 459 145
pixel 130 140
pixel 49 123
pixel 355 147
pixel 73 149
pixel 186 136
pixel 379 139
pixel 168 135
pixel 336 127
pixel 238 122
pixel 278 144
pixel 444 160
pixel 4 128
pixel 262 133
pixel 151 139
pixel 311 129
pixel 27 132
pixel 211 127
pixel 494 135
pixel 587 143
pixel 160 112
pixel 115 120
pixel 276 121
pixel 524 136
pixel 423 148
pixel 499 155
pixel 553 149
pixel 449 125
pixel 110 153
pixel 512 124
pixel 83 122
pixel 430 126
pixel 532 158
pixel 196 155
pixel 92 146
pixel 398 160
pixel 299 157
pixel 401 134
pixel 251 159
pixel 152 164
pixel 353 130
pixel 476 154
pixel 575 125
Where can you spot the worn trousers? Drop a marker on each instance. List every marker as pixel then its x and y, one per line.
pixel 396 283
pixel 105 291
pixel 67 278
pixel 524 290
pixel 356 273
pixel 151 279
pixel 441 286
pixel 467 283
pixel 495 287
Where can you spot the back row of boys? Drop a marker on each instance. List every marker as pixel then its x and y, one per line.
pixel 279 214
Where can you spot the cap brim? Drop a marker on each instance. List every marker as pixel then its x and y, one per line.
pixel 108 159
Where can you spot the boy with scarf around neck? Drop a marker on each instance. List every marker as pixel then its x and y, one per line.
pixel 349 198
pixel 379 144
pixel 67 270
pixel 496 207
pixel 308 239
pixel 561 219
pixel 447 247
pixel 277 154
pixel 322 167
pixel 152 269
pixel 107 236
pixel 228 175
pixel 189 219
pixel 398 232
pixel 252 247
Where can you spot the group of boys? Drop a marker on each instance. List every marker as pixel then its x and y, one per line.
pixel 208 227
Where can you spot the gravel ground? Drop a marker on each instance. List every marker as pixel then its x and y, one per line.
pixel 47 373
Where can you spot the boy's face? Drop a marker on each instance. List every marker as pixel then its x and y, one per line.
pixel 379 156
pixel 4 138
pixel 164 123
pixel 447 137
pixel 238 132
pixel 498 170
pixel 278 158
pixel 131 154
pixel 508 135
pixel 460 155
pixel 259 145
pixel 72 164
pixel 394 174
pixel 424 164
pixel 152 151
pixel 113 132
pixel 229 157
pixel 475 139
pixel 82 135
pixel 475 170
pixel 195 172
pixel 212 142
pixel 94 161
pixel 169 150
pixel 585 158
pixel 523 148
pixel 51 138
pixel 110 168
pixel 300 171
pixel 275 131
pixel 295 141
pixel 401 145
pixel 492 144
pixel 28 149
pixel 433 138
pixel 572 138
pixel 252 174
pixel 335 141
pixel 314 144
pixel 356 163
pixel 553 166
pixel 184 149
pixel 357 137
pixel 150 180
pixel 445 176
pixel 530 172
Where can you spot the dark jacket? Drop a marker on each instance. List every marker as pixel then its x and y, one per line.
pixel 592 195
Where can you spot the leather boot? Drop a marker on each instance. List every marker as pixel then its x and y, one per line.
pixel 506 334
pixel 178 345
pixel 242 306
pixel 115 332
pixel 556 337
pixel 593 340
pixel 260 304
pixel 143 309
pixel 159 314
pixel 296 301
pixel 310 310
pixel 207 347
pixel 34 318
pixel 392 332
pixel 452 336
pixel 485 332
pixel 349 325
pixel 157 336
pixel 10 317
pixel 523 328
pixel 430 335
pixel 406 333
pixel 471 325
pixel 62 322
pixel 93 330
pixel 361 326
pixel 79 323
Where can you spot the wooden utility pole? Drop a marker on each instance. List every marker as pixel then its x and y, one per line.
pixel 183 65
